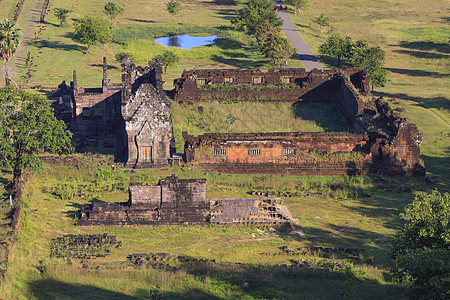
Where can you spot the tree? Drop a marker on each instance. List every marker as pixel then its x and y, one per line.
pixel 322 21
pixel 168 59
pixel 10 37
pixel 421 250
pixel 173 7
pixel 112 10
pixel 27 126
pixel 298 4
pixel 121 55
pixel 337 46
pixel 372 59
pixel 92 30
pixel 254 13
pixel 61 14
pixel 272 44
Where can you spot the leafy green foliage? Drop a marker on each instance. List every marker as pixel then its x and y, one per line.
pixel 322 21
pixel 10 36
pixel 298 4
pixel 121 55
pixel 168 59
pixel 358 54
pixel 421 250
pixel 92 30
pixel 372 59
pixel 173 7
pixel 254 13
pixel 337 46
pixel 27 126
pixel 112 10
pixel 271 43
pixel 61 14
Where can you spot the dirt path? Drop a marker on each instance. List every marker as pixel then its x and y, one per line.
pixel 29 22
pixel 306 56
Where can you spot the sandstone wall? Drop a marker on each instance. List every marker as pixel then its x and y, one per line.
pixel 285 85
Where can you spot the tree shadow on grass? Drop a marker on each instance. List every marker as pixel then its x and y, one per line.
pixel 225 2
pixel 141 20
pixel 231 280
pixel 435 102
pixel 226 14
pixel 58 46
pixel 439 170
pixel 422 54
pixel 101 66
pixel 417 73
pixel 240 63
pixel 52 289
pixel 228 44
pixel 44 289
pixel 426 46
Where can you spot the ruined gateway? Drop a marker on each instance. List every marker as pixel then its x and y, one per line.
pixel 138 113
pixel 183 202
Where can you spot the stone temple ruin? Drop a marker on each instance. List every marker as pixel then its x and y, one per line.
pixel 138 113
pixel 135 111
pixel 183 202
pixel 381 141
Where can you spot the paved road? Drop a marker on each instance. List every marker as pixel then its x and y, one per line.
pixel 308 59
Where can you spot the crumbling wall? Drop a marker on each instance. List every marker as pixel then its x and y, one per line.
pixel 172 201
pixel 146 114
pixel 280 153
pixel 95 111
pixel 348 100
pixel 299 153
pixel 285 85
pixel 181 202
pixel 398 144
pixel 226 211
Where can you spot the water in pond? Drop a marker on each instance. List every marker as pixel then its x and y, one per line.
pixel 186 41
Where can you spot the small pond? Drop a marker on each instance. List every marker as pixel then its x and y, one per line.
pixel 186 41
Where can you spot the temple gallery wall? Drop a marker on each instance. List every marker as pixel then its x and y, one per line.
pixel 138 114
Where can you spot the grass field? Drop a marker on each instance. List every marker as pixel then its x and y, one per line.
pixel 414 36
pixel 55 54
pixel 337 218
pixel 253 117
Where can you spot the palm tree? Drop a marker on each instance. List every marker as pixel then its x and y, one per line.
pixel 10 36
pixel 61 14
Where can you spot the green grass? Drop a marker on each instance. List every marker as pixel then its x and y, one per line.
pixel 414 36
pixel 253 117
pixel 368 223
pixel 55 54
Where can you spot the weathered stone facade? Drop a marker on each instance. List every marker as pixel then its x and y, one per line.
pixel 393 149
pixel 136 111
pixel 146 112
pixel 285 85
pixel 182 202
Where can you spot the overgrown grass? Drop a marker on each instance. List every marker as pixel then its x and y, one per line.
pixel 55 54
pixel 335 214
pixel 414 36
pixel 253 117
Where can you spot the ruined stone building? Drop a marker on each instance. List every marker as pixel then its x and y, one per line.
pixel 182 202
pixel 381 141
pixel 136 111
